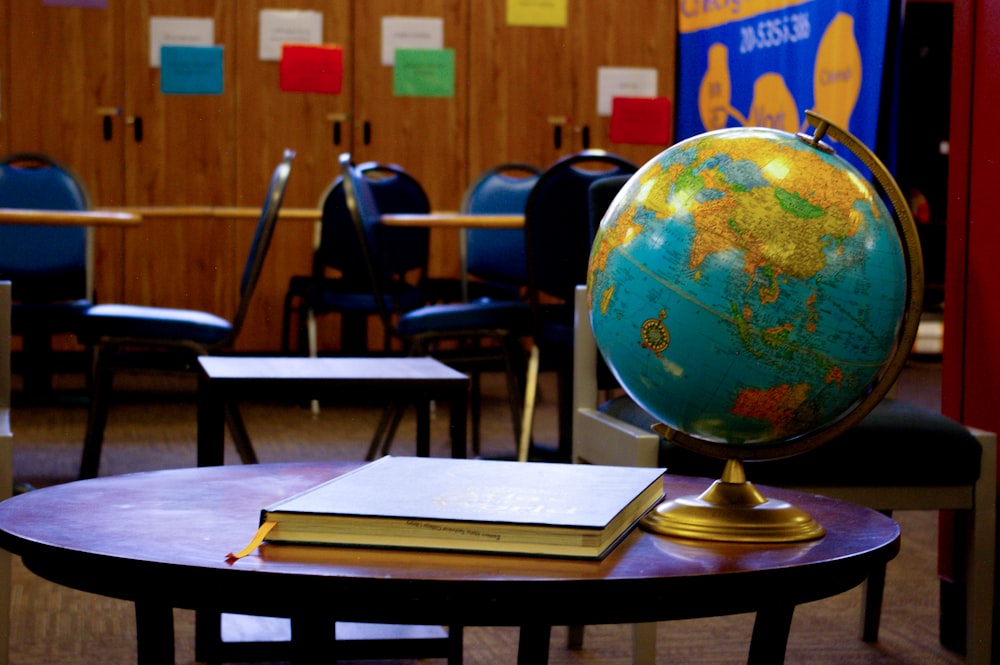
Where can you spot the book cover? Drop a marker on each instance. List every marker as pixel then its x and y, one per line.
pixel 567 510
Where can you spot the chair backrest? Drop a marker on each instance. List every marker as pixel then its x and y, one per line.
pixel 499 255
pixel 366 216
pixel 395 191
pixel 44 263
pixel 262 238
pixel 557 223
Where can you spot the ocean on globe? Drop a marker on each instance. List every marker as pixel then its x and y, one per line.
pixel 747 288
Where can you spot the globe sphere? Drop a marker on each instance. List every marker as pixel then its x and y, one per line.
pixel 747 288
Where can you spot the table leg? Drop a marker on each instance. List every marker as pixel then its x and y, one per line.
pixel 207 636
pixel 423 427
pixel 314 640
pixel 154 628
pixel 533 646
pixel 211 424
pixel 770 635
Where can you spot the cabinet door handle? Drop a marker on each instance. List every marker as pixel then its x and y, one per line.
pixel 107 113
pixel 136 122
pixel 336 133
pixel 557 137
pixel 586 137
pixel 367 133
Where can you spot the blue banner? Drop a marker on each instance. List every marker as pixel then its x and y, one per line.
pixel 765 62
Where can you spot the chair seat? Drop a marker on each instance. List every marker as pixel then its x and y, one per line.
pixel 335 295
pixel 896 444
pixel 152 323
pixel 477 315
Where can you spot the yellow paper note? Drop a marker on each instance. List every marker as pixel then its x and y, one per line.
pixel 538 13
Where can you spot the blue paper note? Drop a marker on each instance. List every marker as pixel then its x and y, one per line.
pixel 191 70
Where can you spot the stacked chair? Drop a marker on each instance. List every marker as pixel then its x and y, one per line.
pixel 494 261
pixel 559 234
pixel 452 332
pixel 50 267
pixel 340 282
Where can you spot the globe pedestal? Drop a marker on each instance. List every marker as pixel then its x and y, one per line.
pixel 732 510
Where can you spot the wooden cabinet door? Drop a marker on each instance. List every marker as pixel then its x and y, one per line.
pixel 178 147
pixel 316 126
pixel 179 152
pixel 611 33
pixel 426 135
pixel 63 96
pixel 520 90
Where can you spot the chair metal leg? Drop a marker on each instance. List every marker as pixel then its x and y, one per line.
pixel 286 323
pixel 528 415
pixel 476 409
pixel 238 430
pixel 513 367
pixel 385 431
pixel 313 349
pixel 97 416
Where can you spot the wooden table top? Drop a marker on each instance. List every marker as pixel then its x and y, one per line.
pixel 162 537
pixel 69 217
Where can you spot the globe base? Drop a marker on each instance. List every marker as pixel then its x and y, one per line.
pixel 732 510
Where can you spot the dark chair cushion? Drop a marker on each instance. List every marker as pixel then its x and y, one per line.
pixel 458 317
pixel 26 318
pixel 896 444
pixel 152 323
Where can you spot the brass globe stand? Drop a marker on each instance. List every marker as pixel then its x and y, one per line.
pixel 732 509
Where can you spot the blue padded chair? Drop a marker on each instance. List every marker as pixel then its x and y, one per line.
pixel 338 251
pixel 559 235
pixel 113 328
pixel 461 326
pixel 496 259
pixel 49 266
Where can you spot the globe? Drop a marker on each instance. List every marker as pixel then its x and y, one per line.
pixel 748 287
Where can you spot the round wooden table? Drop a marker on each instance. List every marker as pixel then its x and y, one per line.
pixel 160 539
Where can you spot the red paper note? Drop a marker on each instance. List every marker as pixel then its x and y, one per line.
pixel 312 68
pixel 642 120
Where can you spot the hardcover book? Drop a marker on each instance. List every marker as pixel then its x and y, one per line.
pixel 526 508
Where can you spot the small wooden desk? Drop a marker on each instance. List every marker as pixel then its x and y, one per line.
pixel 223 379
pixel 159 539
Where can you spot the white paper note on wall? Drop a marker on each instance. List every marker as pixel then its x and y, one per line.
pixel 178 31
pixel 414 32
pixel 623 82
pixel 287 26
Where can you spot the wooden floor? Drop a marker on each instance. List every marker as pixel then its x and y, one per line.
pixel 153 427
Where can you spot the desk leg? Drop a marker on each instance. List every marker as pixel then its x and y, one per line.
pixel 770 635
pixel 154 628
pixel 314 640
pixel 458 423
pixel 533 647
pixel 211 425
pixel 423 427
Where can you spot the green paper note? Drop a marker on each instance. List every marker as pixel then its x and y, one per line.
pixel 424 73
